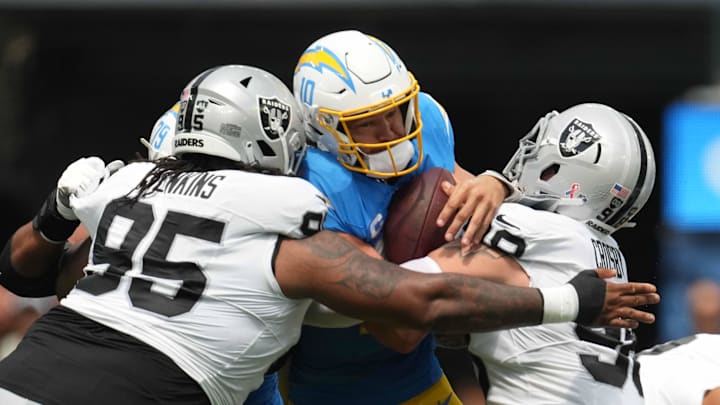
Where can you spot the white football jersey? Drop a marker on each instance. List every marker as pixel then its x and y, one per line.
pixel 556 363
pixel 679 372
pixel 199 285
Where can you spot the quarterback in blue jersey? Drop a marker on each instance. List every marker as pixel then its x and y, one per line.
pixel 363 111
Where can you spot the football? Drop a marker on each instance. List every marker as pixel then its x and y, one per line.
pixel 410 231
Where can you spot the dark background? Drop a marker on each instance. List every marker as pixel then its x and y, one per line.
pixel 77 82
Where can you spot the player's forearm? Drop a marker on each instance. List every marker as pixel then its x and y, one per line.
pixel 374 290
pixel 331 270
pixel 337 274
pixel 29 264
pixel 464 303
pixel 30 254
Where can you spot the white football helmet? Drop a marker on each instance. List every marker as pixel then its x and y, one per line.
pixel 162 135
pixel 594 163
pixel 346 76
pixel 244 114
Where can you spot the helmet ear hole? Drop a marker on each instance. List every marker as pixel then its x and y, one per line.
pixel 550 172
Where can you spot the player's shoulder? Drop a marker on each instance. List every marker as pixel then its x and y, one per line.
pixel 706 343
pixel 433 113
pixel 267 203
pixel 429 104
pixel 324 171
pixel 548 235
pixel 537 222
pixel 129 175
pixel 272 189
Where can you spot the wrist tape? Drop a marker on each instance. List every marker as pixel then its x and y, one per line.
pixel 560 304
pixel 580 300
pixel 51 225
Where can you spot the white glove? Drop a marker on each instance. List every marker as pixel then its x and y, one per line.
pixel 81 178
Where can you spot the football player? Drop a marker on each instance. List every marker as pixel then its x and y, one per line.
pixel 202 267
pixel 373 131
pixel 589 169
pixel 685 371
pixel 160 146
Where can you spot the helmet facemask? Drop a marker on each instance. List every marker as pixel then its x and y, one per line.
pixel 348 76
pixel 381 159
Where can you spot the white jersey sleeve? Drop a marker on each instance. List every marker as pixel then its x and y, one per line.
pixel 681 371
pixel 188 269
pixel 551 240
pixel 556 363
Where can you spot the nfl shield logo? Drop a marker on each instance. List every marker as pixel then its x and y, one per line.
pixel 577 137
pixel 274 117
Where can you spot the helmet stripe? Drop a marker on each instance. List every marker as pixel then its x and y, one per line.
pixel 190 107
pixel 630 202
pixel 320 58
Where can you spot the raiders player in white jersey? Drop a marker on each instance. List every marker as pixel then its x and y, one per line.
pixel 158 146
pixel 591 169
pixel 196 283
pixel 685 371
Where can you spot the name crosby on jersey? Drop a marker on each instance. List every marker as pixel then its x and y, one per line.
pixel 609 257
pixel 191 184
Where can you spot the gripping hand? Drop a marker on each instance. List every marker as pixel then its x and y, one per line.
pixel 80 178
pixel 56 220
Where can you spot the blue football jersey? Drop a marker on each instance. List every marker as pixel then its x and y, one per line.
pixel 347 365
pixel 267 393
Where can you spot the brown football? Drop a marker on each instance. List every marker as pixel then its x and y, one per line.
pixel 410 230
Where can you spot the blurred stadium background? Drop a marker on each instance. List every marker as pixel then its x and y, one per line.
pixel 88 77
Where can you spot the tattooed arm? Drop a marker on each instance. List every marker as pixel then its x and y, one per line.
pixel 482 261
pixel 329 269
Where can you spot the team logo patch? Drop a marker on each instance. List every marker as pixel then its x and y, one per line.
pixel 321 58
pixel 577 137
pixel 274 117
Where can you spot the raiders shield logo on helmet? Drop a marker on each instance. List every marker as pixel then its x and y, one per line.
pixel 274 116
pixel 577 137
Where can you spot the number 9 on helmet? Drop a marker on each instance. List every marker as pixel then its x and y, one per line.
pixel 162 135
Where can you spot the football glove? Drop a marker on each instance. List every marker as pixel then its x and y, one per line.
pixel 81 178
